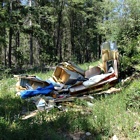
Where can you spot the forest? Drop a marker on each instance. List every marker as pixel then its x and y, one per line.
pixel 40 33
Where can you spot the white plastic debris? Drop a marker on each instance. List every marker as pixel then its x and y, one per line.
pixel 88 133
pixel 114 137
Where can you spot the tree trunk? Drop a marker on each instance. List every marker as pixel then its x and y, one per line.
pixel 58 46
pixel 17 45
pixel 10 48
pixel 31 49
pixel 99 43
pixel 5 54
pixel 31 37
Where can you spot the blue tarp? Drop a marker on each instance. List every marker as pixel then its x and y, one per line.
pixel 39 91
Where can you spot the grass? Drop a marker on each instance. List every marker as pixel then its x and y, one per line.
pixel 110 115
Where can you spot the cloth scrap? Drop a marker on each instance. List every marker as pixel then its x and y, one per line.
pixel 39 91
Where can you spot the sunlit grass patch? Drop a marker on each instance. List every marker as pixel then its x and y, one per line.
pixel 86 66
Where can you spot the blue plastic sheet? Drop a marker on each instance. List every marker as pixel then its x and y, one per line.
pixel 39 91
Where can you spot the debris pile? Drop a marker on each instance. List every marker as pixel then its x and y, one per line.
pixel 69 81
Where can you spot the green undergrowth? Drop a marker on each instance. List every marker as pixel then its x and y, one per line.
pixel 116 114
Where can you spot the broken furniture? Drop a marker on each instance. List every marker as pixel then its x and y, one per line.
pixel 99 76
pixel 69 80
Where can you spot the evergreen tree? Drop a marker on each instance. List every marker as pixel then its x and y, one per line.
pixel 60 31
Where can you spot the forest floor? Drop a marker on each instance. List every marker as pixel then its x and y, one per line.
pixel 105 117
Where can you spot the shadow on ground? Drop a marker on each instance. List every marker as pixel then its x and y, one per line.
pixel 66 126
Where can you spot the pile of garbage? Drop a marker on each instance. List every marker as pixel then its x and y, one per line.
pixel 69 81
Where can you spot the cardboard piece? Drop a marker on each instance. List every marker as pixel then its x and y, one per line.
pixel 72 67
pixel 65 76
pixel 93 71
pixel 29 82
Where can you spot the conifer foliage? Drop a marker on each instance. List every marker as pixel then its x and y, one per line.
pixel 45 32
